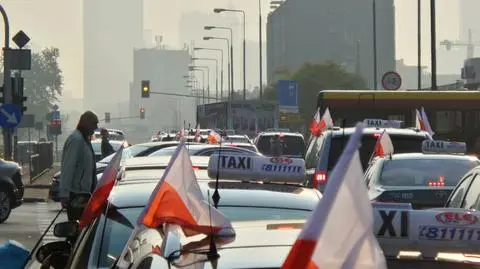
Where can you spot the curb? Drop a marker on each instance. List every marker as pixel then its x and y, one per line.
pixel 34 200
pixel 38 186
pixel 39 175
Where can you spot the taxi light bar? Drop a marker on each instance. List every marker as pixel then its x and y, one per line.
pixel 379 123
pixel 261 168
pixel 444 147
pixel 431 232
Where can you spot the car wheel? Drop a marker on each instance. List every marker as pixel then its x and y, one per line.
pixel 5 205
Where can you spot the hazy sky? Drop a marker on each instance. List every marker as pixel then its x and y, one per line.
pixel 58 23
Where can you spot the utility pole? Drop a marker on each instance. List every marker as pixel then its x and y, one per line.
pixel 433 37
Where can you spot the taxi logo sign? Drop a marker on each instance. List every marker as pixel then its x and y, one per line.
pixel 457 218
pixel 281 160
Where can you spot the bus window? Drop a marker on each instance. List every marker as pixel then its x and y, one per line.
pixel 448 121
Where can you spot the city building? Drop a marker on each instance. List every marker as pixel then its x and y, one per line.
pixel 318 30
pixel 165 69
pixel 111 30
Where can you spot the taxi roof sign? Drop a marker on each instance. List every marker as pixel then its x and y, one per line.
pixel 379 123
pixel 444 147
pixel 261 168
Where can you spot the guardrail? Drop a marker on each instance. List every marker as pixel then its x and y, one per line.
pixel 42 158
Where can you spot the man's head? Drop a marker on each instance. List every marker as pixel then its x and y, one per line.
pixel 88 122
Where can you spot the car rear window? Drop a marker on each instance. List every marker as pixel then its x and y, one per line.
pixel 401 144
pixel 294 145
pixel 422 172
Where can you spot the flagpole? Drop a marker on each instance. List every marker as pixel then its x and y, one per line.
pixel 41 237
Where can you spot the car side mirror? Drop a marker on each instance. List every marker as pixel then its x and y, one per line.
pixel 46 250
pixel 66 229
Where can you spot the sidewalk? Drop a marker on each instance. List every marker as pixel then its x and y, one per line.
pixel 37 191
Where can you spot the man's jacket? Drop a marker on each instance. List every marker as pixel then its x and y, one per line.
pixel 78 162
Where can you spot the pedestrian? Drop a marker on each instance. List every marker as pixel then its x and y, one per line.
pixel 106 147
pixel 78 171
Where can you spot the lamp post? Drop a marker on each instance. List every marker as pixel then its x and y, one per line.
pixel 216 73
pixel 219 10
pixel 230 62
pixel 207 80
pixel 229 45
pixel 221 70
pixel 260 48
pixel 194 80
pixel 375 71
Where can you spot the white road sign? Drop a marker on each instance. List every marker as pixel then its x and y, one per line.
pixel 391 81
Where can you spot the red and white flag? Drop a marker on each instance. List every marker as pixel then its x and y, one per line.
pixel 197 133
pixel 422 122
pixel 99 198
pixel 214 137
pixel 384 145
pixel 177 199
pixel 327 239
pixel 318 125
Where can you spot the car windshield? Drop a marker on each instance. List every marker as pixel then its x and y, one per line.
pixel 120 224
pixel 401 144
pixel 294 145
pixel 424 172
pixel 129 152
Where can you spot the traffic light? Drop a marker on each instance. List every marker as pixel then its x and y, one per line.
pixel 18 98
pixel 145 88
pixel 142 113
pixel 107 117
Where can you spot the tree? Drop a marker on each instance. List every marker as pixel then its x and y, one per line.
pixel 43 84
pixel 315 77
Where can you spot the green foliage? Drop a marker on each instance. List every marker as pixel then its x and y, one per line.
pixel 315 77
pixel 43 83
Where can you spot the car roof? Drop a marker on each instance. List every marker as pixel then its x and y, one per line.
pixel 158 143
pixel 409 156
pixel 392 131
pixel 264 245
pixel 134 192
pixel 161 161
pixel 110 141
pixel 282 133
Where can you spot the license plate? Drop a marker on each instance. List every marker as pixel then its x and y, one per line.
pixel 449 233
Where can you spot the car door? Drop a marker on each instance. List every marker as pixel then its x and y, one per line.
pixel 456 197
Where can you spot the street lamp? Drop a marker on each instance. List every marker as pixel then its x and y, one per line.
pixel 230 45
pixel 216 73
pixel 203 83
pixel 260 48
pixel 219 10
pixel 222 65
pixel 207 80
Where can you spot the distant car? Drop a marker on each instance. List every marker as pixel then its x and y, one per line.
pixel 206 150
pixel 97 147
pixel 113 134
pixel 236 139
pixel 11 188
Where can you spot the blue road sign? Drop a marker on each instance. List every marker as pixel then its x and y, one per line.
pixel 288 96
pixel 10 115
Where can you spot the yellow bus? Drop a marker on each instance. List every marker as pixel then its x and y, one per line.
pixel 454 115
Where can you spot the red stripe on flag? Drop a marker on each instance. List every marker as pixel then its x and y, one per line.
pixel 300 255
pixel 168 207
pixel 98 200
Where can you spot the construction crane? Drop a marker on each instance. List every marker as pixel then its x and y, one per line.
pixel 470 44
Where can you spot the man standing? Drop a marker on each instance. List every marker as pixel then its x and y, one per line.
pixel 106 147
pixel 276 145
pixel 78 178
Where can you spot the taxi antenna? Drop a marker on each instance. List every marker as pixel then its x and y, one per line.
pixel 216 194
pixel 212 254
